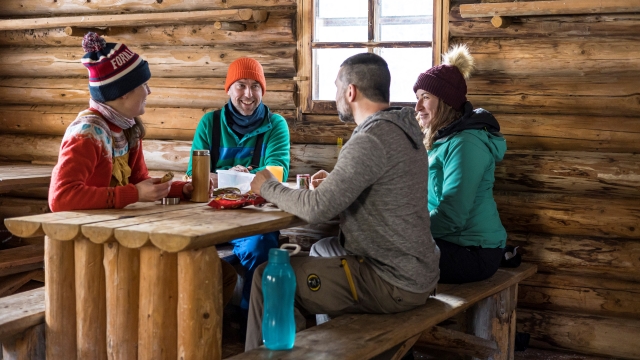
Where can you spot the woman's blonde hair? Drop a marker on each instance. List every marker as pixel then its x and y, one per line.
pixel 445 116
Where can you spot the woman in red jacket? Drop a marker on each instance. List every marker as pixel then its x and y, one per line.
pixel 101 164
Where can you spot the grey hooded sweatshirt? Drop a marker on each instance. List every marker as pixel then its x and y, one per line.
pixel 379 188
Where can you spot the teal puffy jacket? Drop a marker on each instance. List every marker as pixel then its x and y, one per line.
pixel 461 176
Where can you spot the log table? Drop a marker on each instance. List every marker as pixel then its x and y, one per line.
pixel 17 176
pixel 144 281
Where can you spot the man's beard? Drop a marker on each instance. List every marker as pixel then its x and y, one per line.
pixel 345 116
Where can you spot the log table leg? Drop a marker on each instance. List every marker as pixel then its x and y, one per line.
pixel 60 299
pixel 199 304
pixel 90 300
pixel 158 318
pixel 493 319
pixel 122 270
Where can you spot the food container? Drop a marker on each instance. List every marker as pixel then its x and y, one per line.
pixel 230 178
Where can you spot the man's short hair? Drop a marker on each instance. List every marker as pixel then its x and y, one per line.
pixel 370 74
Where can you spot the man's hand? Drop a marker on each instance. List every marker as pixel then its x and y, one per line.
pixel 261 177
pixel 240 168
pixel 318 178
pixel 152 190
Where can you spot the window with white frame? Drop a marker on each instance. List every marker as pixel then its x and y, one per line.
pixel 401 31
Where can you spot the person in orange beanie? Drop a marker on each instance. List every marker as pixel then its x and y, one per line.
pixel 244 135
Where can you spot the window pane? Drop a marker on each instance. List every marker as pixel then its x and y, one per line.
pixel 406 7
pixel 341 21
pixel 414 32
pixel 406 20
pixel 405 66
pixel 326 65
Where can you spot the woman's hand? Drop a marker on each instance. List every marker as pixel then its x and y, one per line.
pixel 213 177
pixel 152 190
pixel 318 178
pixel 187 189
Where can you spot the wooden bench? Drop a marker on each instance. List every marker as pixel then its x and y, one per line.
pixel 14 176
pixel 22 325
pixel 489 329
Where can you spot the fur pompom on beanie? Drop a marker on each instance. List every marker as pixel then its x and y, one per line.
pixel 448 81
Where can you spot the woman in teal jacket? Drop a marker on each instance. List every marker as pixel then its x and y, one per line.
pixel 463 146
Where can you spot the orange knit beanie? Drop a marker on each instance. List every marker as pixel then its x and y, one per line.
pixel 245 68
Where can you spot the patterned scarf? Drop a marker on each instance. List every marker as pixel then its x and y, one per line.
pixel 112 115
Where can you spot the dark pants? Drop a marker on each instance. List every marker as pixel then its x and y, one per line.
pixel 459 264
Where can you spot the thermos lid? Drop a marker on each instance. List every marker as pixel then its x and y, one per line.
pixel 200 152
pixel 278 256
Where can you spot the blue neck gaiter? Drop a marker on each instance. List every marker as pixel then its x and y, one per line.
pixel 245 124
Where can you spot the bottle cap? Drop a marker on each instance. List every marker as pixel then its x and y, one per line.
pixel 170 201
pixel 278 256
pixel 200 152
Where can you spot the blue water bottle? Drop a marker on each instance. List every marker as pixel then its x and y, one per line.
pixel 278 289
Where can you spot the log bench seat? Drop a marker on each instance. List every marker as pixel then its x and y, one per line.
pixel 489 331
pixel 22 325
pixel 16 176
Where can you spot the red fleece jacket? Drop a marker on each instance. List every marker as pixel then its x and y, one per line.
pixel 81 178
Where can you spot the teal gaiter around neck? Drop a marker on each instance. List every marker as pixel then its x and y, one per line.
pixel 245 124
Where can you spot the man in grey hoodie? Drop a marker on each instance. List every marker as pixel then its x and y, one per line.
pixel 388 261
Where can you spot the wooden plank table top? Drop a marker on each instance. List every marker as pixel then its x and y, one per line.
pixel 15 176
pixel 171 228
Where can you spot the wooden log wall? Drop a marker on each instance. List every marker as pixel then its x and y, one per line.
pixel 43 85
pixel 563 87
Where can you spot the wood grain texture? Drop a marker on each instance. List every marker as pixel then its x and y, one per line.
pixel 60 299
pixel 199 304
pixel 344 331
pixel 580 294
pixel 157 319
pixel 49 7
pixel 553 57
pixel 20 312
pixel 17 176
pixel 11 283
pixel 600 25
pixel 568 215
pixel 122 285
pixel 165 61
pixel 548 8
pixel 185 93
pixel 28 345
pixel 596 335
pixel 611 258
pixel 147 19
pixel 580 173
pixel 276 31
pixel 440 338
pixel 20 259
pixel 91 310
pixel 166 123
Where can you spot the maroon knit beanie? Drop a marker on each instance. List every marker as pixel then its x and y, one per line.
pixel 446 82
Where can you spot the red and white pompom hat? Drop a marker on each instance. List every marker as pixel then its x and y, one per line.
pixel 114 69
